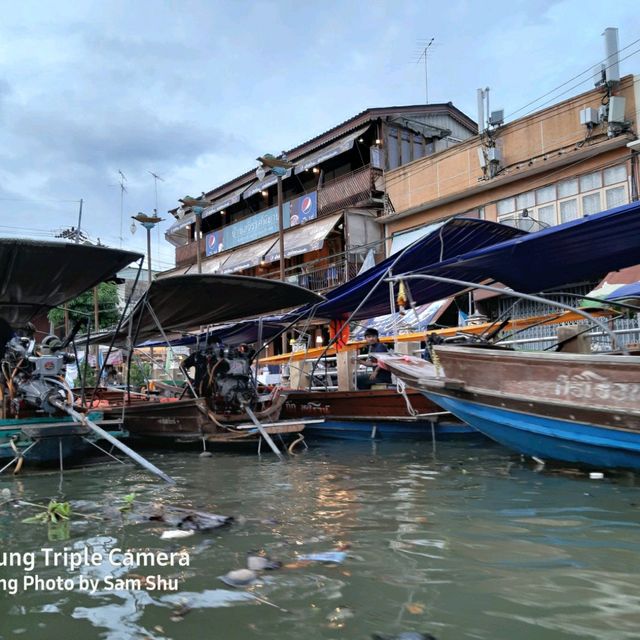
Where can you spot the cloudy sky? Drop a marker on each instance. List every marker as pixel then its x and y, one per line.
pixel 194 90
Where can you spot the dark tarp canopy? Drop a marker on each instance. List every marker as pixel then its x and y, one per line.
pixel 557 256
pixel 567 254
pixel 187 302
pixel 445 240
pixel 36 276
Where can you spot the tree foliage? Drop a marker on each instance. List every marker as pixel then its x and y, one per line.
pixel 82 307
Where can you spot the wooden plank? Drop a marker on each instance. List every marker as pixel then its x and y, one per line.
pixel 520 323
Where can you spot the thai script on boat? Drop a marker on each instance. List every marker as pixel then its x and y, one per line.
pixel 592 386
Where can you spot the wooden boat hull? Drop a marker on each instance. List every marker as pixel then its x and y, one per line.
pixel 45 441
pixel 170 420
pixel 579 408
pixel 192 421
pixel 375 413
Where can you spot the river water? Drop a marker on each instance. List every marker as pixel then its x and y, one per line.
pixel 466 542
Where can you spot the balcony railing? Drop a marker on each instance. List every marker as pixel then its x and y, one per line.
pixel 346 191
pixel 324 274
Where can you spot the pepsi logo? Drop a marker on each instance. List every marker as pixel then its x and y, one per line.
pixel 306 205
pixel 49 364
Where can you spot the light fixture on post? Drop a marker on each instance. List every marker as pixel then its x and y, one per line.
pixel 279 168
pixel 148 222
pixel 197 206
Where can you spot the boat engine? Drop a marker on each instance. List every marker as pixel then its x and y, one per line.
pixel 234 385
pixel 33 374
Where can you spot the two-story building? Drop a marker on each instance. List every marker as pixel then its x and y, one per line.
pixel 332 197
pixel 572 159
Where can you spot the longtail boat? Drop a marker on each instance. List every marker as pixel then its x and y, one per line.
pixel 572 407
pixel 36 425
pixel 226 411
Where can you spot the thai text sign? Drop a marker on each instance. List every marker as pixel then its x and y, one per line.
pixel 262 224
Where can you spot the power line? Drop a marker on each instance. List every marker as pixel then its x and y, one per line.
pixel 513 127
pixel 588 70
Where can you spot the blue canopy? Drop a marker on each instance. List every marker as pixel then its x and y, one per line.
pixel 445 240
pixel 570 253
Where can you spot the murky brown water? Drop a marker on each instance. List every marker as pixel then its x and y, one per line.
pixel 470 543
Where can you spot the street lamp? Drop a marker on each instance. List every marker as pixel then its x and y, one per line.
pixel 279 168
pixel 148 222
pixel 197 205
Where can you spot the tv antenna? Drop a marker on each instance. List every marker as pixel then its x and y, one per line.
pixel 156 177
pixel 424 54
pixel 123 190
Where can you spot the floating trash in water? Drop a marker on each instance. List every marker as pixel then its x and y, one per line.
pixel 338 616
pixel 175 534
pixel 405 635
pixel 259 561
pixel 335 557
pixel 239 578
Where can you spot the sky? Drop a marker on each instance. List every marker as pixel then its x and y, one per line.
pixel 194 91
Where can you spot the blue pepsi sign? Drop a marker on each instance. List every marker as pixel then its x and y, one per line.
pixel 262 224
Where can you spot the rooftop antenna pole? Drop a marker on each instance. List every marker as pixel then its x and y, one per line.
pixel 424 55
pixel 79 222
pixel 156 177
pixel 123 190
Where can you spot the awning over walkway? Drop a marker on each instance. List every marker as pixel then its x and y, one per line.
pixel 267 182
pixel 178 233
pixel 249 255
pixel 304 238
pixel 226 201
pixel 331 151
pixel 210 265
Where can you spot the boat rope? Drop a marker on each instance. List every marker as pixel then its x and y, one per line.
pixel 298 440
pixel 18 458
pixel 401 388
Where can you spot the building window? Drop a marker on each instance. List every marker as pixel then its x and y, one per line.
pixel 616 197
pixel 569 210
pixel 567 200
pixel 546 194
pixel 393 148
pixel 508 205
